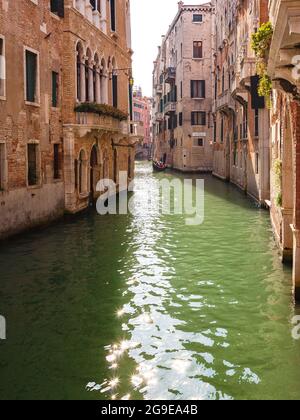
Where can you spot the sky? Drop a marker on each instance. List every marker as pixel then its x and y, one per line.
pixel 150 20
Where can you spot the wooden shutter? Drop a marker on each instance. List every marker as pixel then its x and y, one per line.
pixel 257 102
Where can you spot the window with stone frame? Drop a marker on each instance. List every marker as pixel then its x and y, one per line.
pixel 2 67
pixel 113 15
pixel 31 75
pixel 55 89
pixel 57 7
pixel 198 89
pixel 198 118
pixel 56 162
pixel 198 49
pixel 33 164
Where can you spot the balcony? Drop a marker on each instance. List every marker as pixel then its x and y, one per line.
pixel 98 122
pixel 159 116
pixel 248 69
pixel 138 129
pixel 170 75
pixel 159 89
pixel 285 44
pixel 170 108
pixel 225 102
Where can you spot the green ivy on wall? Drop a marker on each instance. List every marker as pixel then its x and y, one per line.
pixel 261 42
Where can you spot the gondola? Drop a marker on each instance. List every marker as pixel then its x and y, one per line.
pixel 159 166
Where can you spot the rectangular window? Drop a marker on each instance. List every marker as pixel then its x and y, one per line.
pixel 2 68
pixel 96 5
pixel 2 167
pixel 31 63
pixel 198 118
pixel 56 162
pixel 256 123
pixel 215 132
pixel 113 15
pixel 55 85
pixel 197 18
pixel 57 7
pixel 198 89
pixel 180 119
pixel 198 49
pixel 222 130
pixel 198 142
pixel 32 155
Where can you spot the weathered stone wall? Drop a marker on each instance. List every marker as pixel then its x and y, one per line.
pixel 24 24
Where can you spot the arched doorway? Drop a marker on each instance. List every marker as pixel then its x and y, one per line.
pixel 82 173
pixel 94 171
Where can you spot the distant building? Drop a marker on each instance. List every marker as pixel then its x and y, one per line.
pixel 182 91
pixel 142 108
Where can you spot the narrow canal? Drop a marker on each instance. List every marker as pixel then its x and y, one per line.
pixel 144 306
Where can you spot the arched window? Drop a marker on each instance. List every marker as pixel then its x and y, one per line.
pixel 94 170
pixel 79 73
pixel 96 80
pixel 89 77
pixel 105 166
pixel 103 83
pixel 114 84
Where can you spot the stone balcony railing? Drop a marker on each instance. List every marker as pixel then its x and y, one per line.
pixel 98 121
pixel 138 129
pixel 225 101
pixel 170 75
pixel 170 107
pixel 247 69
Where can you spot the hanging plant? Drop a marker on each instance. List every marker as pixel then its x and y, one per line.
pixel 261 42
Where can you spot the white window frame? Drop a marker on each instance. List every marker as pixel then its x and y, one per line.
pixel 2 37
pixel 38 93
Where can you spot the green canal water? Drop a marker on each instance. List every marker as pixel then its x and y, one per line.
pixel 143 306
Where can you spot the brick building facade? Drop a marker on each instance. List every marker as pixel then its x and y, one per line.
pixel 182 91
pixel 241 118
pixel 283 68
pixel 54 56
